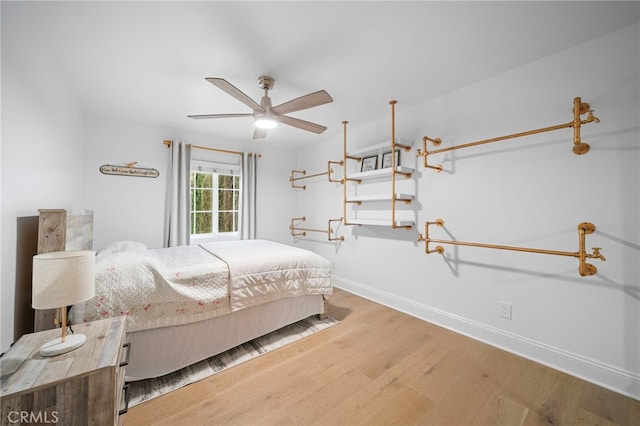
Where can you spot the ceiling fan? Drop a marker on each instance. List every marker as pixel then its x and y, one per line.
pixel 266 116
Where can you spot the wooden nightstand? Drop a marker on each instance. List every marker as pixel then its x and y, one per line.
pixel 81 387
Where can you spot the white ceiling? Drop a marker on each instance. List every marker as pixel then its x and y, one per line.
pixel 146 61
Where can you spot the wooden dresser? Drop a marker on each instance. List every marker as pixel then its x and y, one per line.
pixel 81 387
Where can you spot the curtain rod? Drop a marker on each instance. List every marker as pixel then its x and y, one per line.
pixel 226 151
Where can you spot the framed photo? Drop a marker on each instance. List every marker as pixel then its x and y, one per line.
pixel 369 163
pixel 386 159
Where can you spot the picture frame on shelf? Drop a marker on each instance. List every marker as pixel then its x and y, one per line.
pixel 387 159
pixel 369 163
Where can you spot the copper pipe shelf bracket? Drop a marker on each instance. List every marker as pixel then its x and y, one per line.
pixel 345 179
pixel 329 171
pixel 584 228
pixel 579 147
pixel 394 170
pixel 295 231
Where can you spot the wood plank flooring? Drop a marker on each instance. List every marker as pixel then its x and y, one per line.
pixel 379 367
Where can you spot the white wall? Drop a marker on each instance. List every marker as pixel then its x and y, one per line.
pixel 132 208
pixel 528 192
pixel 42 159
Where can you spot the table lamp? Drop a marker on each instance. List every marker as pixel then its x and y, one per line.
pixel 60 279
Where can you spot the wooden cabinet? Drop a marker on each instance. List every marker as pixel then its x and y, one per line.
pixel 81 387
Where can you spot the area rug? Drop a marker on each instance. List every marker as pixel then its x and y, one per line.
pixel 145 390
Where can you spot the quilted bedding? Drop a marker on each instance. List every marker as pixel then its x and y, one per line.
pixel 178 285
pixel 262 270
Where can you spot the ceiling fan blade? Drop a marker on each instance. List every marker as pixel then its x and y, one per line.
pixel 311 100
pixel 302 124
pixel 200 116
pixel 223 84
pixel 259 133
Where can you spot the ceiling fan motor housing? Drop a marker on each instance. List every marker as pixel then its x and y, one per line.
pixel 266 82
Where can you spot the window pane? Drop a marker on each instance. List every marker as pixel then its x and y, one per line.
pixel 207 200
pixel 226 222
pixel 203 223
pixel 204 180
pixel 204 199
pixel 225 200
pixel 236 200
pixel 225 181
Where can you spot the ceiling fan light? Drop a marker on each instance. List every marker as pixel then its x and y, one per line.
pixel 266 123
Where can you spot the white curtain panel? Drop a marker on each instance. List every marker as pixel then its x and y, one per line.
pixel 248 203
pixel 177 218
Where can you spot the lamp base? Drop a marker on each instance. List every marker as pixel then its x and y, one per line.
pixel 58 347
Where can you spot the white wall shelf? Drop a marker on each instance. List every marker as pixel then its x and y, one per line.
pixel 379 148
pixel 379 197
pixel 391 173
pixel 380 173
pixel 382 222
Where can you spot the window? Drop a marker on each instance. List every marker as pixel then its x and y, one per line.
pixel 215 200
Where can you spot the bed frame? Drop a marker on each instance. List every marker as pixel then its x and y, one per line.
pixel 159 351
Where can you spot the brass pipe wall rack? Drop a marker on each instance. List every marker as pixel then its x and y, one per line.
pixel 294 178
pixel 302 232
pixel 394 170
pixel 584 229
pixel 579 147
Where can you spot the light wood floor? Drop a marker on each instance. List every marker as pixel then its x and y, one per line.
pixel 379 366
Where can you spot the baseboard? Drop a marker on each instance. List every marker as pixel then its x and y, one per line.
pixel 612 378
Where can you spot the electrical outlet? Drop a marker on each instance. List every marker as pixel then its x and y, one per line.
pixel 504 310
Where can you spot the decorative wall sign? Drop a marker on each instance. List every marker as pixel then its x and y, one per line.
pixel 369 163
pixel 387 159
pixel 129 170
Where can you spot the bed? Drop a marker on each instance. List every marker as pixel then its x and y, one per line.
pixel 185 304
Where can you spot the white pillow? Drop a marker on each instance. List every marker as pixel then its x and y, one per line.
pixel 122 247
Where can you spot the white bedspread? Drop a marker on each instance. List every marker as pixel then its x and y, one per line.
pixel 178 285
pixel 262 270
pixel 157 287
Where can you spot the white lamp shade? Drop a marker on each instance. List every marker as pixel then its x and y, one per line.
pixel 63 278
